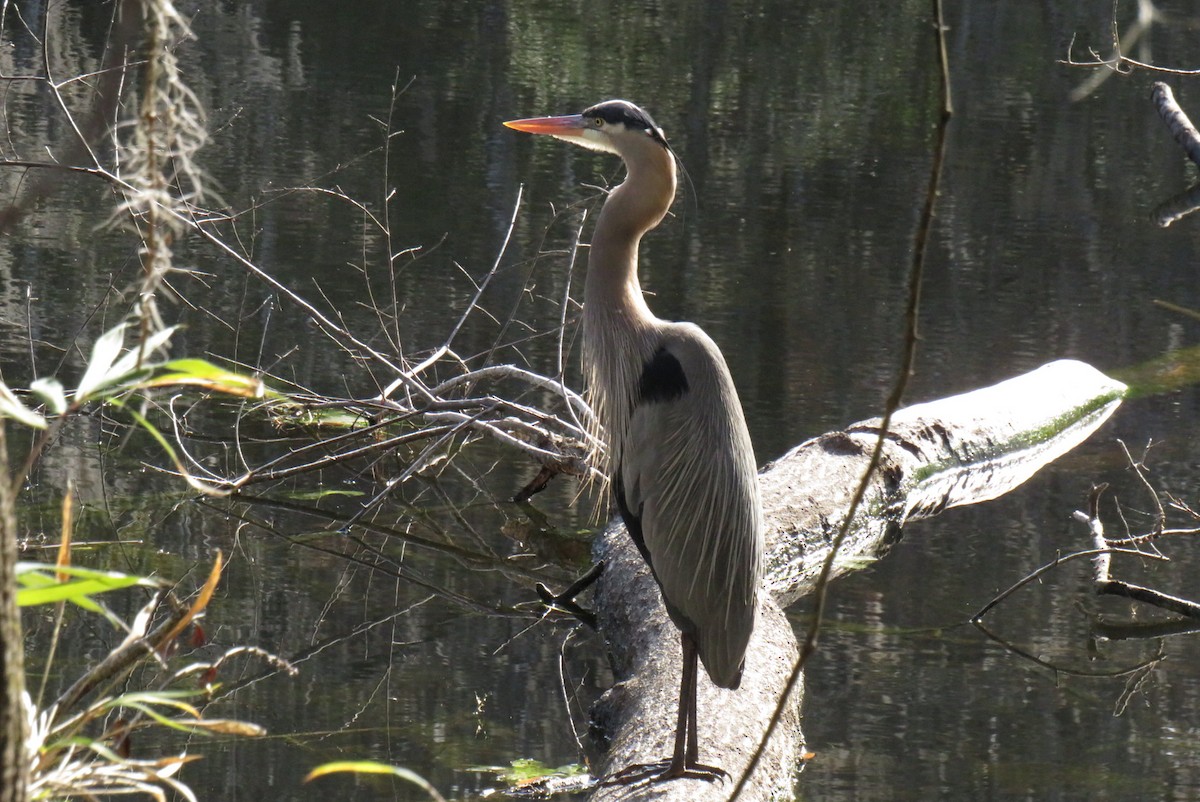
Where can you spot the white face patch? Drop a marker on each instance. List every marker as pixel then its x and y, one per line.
pixel 592 139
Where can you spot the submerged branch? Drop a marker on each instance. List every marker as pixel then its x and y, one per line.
pixel 343 431
pixel 1103 582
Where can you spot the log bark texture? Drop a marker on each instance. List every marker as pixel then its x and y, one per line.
pixel 959 450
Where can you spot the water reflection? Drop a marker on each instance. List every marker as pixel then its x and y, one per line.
pixel 805 133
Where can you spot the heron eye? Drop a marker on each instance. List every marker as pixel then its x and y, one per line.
pixel 598 122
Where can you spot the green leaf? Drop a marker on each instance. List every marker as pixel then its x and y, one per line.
pixel 372 767
pixel 52 394
pixel 523 771
pixel 39 584
pixel 209 376
pixel 104 353
pixel 110 368
pixel 10 407
pixel 323 493
pixel 200 368
pixel 149 711
pixel 177 699
pixel 129 363
pixel 151 703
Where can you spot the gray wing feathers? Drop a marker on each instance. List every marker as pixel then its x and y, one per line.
pixel 688 472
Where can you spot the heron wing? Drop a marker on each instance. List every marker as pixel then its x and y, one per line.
pixel 687 487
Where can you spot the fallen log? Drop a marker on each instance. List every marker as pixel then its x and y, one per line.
pixel 955 451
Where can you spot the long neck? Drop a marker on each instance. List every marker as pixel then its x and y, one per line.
pixel 632 209
pixel 617 324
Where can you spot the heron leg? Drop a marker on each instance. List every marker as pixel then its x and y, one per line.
pixel 685 723
pixel 686 760
pixel 693 740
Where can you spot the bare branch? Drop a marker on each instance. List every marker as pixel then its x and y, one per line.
pixel 1103 582
pixel 1118 62
pixel 1176 120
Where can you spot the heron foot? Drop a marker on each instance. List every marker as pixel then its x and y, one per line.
pixel 565 601
pixel 665 770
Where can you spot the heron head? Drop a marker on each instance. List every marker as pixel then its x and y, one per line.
pixel 614 126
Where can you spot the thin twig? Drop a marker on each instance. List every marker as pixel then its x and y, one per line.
pixel 1050 566
pixel 483 285
pixel 1058 670
pixel 916 272
pixel 1160 517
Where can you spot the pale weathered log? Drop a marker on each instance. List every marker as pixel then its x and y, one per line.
pixel 959 450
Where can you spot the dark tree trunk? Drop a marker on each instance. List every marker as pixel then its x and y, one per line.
pixel 14 765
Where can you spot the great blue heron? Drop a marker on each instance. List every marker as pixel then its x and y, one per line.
pixel 679 456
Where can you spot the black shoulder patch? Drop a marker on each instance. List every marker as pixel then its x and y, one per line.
pixel 662 379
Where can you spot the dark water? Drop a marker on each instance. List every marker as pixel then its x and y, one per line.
pixel 806 131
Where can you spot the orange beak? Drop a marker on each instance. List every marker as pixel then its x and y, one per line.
pixel 568 125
